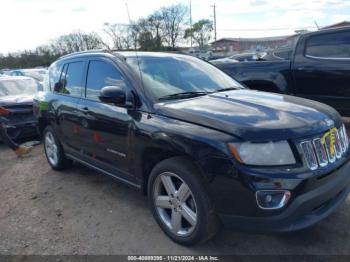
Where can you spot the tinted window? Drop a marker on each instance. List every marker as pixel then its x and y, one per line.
pixel 71 80
pixel 101 74
pixel 336 45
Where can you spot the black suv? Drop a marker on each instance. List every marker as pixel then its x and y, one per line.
pixel 201 146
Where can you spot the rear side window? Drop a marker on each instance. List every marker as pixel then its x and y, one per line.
pixel 336 45
pixel 101 74
pixel 71 79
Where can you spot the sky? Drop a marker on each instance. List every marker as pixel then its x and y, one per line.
pixel 26 24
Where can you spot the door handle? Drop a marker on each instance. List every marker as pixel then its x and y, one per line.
pixel 85 110
pixel 305 68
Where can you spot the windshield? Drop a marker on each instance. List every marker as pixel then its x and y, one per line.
pixel 37 75
pixel 18 87
pixel 166 76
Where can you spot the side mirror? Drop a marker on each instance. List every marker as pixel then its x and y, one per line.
pixel 113 94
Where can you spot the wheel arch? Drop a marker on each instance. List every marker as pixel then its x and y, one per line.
pixel 153 156
pixel 42 124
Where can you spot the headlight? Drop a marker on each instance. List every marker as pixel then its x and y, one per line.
pixel 263 154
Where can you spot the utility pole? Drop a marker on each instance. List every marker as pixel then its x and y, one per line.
pixel 214 7
pixel 191 21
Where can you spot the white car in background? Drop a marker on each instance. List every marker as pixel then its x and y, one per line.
pixel 37 73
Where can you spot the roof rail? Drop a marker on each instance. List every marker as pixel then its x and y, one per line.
pixel 111 51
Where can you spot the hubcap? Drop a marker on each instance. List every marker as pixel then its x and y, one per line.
pixel 175 204
pixel 51 148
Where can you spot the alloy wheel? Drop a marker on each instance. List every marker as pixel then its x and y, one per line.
pixel 175 204
pixel 51 148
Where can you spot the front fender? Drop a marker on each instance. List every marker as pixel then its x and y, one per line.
pixel 158 137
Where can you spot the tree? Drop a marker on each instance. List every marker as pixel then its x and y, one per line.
pixel 200 32
pixel 174 17
pixel 120 35
pixel 156 27
pixel 75 42
pixel 150 32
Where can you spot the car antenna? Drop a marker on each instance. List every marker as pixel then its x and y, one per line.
pixel 135 48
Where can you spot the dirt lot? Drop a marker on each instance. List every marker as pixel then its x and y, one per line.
pixel 82 212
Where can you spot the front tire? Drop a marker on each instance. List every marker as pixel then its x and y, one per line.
pixel 179 202
pixel 54 150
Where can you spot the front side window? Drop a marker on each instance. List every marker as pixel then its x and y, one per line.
pixel 335 45
pixel 71 79
pixel 101 74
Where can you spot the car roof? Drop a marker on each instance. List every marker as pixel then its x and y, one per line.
pixel 121 54
pixel 150 54
pixel 326 30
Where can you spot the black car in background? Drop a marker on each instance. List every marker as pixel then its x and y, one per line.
pixel 201 146
pixel 317 68
pixel 16 99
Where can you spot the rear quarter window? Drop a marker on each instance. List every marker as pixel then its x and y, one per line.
pixel 332 45
pixel 53 77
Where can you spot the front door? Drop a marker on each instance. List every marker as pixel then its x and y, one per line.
pixel 105 127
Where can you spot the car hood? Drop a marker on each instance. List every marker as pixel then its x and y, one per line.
pixel 18 99
pixel 253 115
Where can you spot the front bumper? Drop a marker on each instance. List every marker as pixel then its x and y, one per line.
pixel 20 130
pixel 303 211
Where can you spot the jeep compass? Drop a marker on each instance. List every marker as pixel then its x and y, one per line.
pixel 203 148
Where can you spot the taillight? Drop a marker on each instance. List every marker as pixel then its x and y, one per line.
pixel 4 111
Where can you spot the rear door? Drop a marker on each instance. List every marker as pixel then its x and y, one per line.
pixel 104 127
pixel 321 68
pixel 69 89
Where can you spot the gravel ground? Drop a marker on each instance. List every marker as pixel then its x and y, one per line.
pixel 81 212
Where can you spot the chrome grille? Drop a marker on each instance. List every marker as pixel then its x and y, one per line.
pixel 321 151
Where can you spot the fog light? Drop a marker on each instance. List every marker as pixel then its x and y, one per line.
pixel 272 199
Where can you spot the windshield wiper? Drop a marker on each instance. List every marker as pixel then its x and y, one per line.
pixel 226 89
pixel 183 95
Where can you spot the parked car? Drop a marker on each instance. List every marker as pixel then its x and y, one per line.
pixel 318 69
pixel 37 73
pixel 223 60
pixel 284 53
pixel 16 98
pixel 244 57
pixel 201 146
pixel 215 56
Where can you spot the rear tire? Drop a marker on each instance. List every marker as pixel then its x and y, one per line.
pixel 54 151
pixel 179 202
